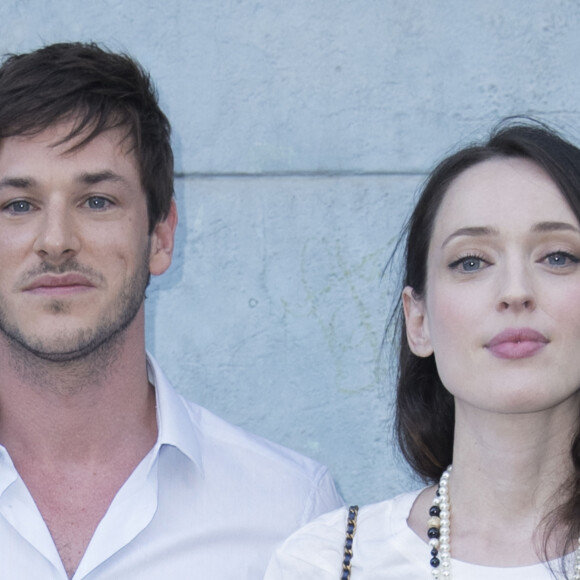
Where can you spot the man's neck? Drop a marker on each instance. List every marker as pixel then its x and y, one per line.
pixel 82 407
pixel 76 432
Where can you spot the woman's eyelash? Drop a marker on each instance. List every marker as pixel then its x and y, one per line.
pixel 561 255
pixel 476 258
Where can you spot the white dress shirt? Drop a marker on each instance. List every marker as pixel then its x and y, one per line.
pixel 384 548
pixel 208 502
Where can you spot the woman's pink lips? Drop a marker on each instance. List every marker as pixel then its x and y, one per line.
pixel 514 343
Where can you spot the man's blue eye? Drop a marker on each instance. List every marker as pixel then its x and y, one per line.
pixel 20 206
pixel 97 202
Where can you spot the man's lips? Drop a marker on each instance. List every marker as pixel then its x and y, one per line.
pixel 59 284
pixel 516 343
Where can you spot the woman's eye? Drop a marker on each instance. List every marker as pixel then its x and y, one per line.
pixel 468 264
pixel 97 202
pixel 19 206
pixel 560 259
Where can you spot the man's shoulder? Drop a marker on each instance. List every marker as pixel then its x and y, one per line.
pixel 223 441
pixel 261 474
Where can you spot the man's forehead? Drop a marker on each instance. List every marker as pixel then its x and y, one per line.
pixel 27 161
pixel 62 140
pixel 75 132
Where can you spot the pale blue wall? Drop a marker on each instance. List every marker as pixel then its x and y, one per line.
pixel 302 130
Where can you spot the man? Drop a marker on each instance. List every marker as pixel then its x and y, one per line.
pixel 105 471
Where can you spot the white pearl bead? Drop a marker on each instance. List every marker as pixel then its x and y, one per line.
pixel 443 543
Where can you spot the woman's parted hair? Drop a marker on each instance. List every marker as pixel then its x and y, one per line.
pixel 97 90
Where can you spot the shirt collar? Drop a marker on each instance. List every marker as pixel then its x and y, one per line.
pixel 177 422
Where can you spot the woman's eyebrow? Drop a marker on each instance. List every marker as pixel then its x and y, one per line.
pixel 472 231
pixel 542 227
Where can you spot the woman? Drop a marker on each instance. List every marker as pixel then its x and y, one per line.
pixel 489 379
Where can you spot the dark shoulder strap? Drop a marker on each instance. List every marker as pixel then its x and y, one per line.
pixel 350 531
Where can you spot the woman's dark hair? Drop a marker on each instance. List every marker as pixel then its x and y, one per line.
pixel 425 414
pixel 97 90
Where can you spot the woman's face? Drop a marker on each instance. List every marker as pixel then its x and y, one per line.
pixel 501 310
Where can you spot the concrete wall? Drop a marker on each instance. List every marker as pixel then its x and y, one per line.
pixel 302 130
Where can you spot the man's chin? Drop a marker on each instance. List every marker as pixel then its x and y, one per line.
pixel 63 340
pixel 64 349
pixel 59 356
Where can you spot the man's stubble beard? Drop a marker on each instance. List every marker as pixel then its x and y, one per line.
pixel 87 343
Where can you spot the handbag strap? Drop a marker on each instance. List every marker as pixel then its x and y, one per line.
pixel 350 531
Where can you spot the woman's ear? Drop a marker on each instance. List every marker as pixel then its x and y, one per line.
pixel 416 325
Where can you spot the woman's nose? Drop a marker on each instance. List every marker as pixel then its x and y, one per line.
pixel 516 289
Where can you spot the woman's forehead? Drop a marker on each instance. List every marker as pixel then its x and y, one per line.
pixel 501 191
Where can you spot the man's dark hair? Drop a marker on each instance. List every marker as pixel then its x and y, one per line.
pixel 96 90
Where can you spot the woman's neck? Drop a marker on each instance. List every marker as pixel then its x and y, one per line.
pixel 508 475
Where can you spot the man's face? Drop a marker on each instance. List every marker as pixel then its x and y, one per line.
pixel 75 254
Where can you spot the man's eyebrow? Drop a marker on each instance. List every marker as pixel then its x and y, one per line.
pixel 17 182
pixel 92 178
pixel 87 178
pixel 473 231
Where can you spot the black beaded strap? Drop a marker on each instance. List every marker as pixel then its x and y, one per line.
pixel 350 531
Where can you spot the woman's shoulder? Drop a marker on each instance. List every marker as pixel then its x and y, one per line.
pixel 316 550
pixel 384 548
pixel 381 519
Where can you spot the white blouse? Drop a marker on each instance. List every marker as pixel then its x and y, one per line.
pixel 385 548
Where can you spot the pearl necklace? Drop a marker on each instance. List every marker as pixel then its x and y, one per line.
pixel 439 533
